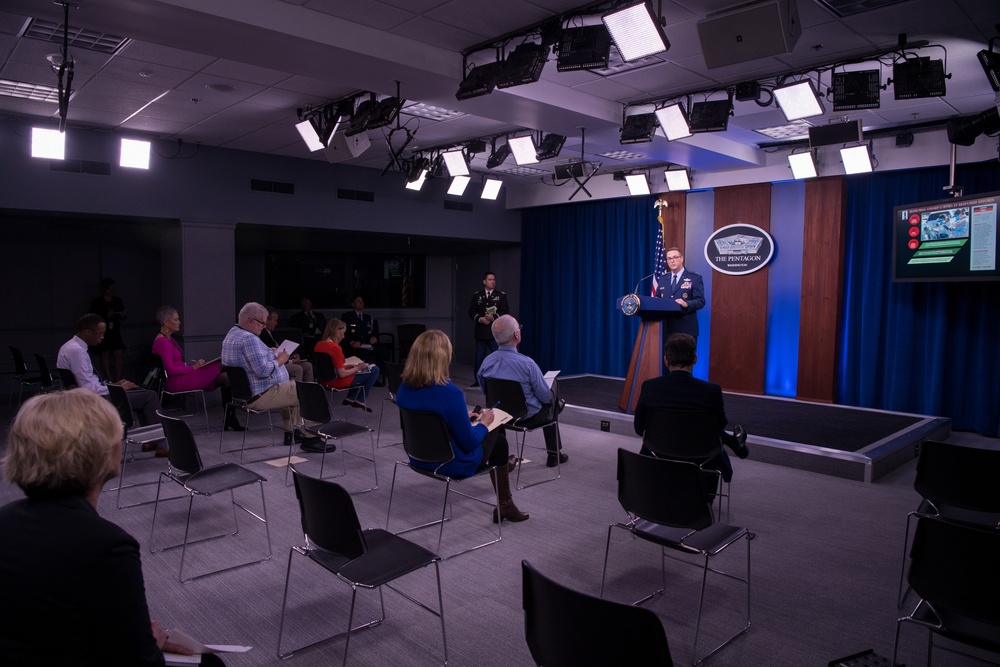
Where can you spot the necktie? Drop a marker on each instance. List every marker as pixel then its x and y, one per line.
pixel 673 282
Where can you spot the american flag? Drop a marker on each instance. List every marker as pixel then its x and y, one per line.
pixel 659 263
pixel 407 292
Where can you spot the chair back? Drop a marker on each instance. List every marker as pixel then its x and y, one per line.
pixel 239 383
pixel 313 406
pixel 408 333
pixel 329 519
pixel 119 398
pixel 44 377
pixel 66 378
pixel 689 435
pixel 566 628
pixel 323 367
pixel 393 376
pixel 509 394
pixel 663 491
pixel 958 476
pixel 183 453
pixel 954 566
pixel 20 368
pixel 426 437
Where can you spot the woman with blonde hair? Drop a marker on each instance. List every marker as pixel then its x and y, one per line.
pixel 71 588
pixel 360 376
pixel 427 387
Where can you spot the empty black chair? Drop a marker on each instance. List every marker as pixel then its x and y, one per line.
pixel 21 377
pixel 407 333
pixel 387 343
pixel 45 383
pixel 393 379
pixel 313 407
pixel 666 504
pixel 66 378
pixel 241 398
pixel 187 471
pixel 426 438
pixel 131 435
pixel 565 628
pixel 953 568
pixel 510 396
pixel 362 558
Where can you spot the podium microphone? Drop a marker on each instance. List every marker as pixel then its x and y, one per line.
pixel 636 290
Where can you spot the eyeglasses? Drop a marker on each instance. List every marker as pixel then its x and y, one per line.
pixel 263 324
pixel 671 258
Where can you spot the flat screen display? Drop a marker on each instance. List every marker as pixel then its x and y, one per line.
pixel 949 239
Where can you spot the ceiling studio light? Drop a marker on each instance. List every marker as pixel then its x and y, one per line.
pixel 384 112
pixel 918 77
pixel 458 185
pixel 586 47
pixel 523 149
pixel 674 122
pixel 481 80
pixel 309 135
pixel 417 173
pixel 636 31
pixel 712 116
pixel 677 180
pixel 455 161
pixel 498 156
pixel 49 144
pixel 491 188
pixel 798 100
pixel 550 147
pixel 990 60
pixel 638 128
pixel 134 154
pixel 637 184
pixel 856 90
pixel 361 116
pixel 803 165
pixel 524 65
pixel 856 159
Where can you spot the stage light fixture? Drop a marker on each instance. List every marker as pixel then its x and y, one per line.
pixel 481 80
pixel 857 90
pixel 637 184
pixel 309 135
pixel 798 100
pixel 638 128
pixel 455 161
pixel 49 144
pixel 523 149
pixel 636 31
pixel 458 185
pixel 803 165
pixel 550 147
pixel 677 180
pixel 524 65
pixel 990 60
pixel 586 47
pixel 674 122
pixel 856 159
pixel 491 188
pixel 361 116
pixel 384 113
pixel 134 154
pixel 711 116
pixel 498 156
pixel 964 130
pixel 918 77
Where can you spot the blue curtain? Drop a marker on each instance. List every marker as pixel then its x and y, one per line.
pixel 927 348
pixel 576 259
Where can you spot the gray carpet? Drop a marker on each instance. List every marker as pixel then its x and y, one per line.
pixel 825 562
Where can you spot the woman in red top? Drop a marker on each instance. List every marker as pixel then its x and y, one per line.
pixel 358 375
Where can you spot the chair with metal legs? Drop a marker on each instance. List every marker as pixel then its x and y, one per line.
pixel 197 394
pixel 364 559
pixel 394 378
pixel 313 407
pixel 241 398
pixel 510 396
pixel 140 436
pixel 21 378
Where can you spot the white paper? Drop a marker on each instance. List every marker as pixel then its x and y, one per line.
pixel 550 377
pixel 287 346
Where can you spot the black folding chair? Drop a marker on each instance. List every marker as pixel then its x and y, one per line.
pixel 21 377
pixel 242 399
pixel 510 396
pixel 313 407
pixel 197 394
pixel 394 378
pixel 131 435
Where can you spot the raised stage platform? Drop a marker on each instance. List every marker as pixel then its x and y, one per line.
pixel 849 442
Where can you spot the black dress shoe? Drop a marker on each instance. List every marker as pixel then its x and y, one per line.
pixel 474 384
pixel 317 446
pixel 361 406
pixel 552 462
pixel 560 406
pixel 233 425
pixel 740 449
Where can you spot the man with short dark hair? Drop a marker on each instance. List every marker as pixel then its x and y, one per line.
pixel 361 337
pixel 311 323
pixel 680 390
pixel 543 403
pixel 298 369
pixel 686 288
pixel 487 305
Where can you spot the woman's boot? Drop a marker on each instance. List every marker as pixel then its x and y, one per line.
pixel 508 510
pixel 231 422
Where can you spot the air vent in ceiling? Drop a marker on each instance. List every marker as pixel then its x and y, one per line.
pixel 355 195
pixel 81 167
pixel 28 91
pixel 91 40
pixel 277 187
pixel 852 7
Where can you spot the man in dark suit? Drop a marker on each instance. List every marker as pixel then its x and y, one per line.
pixel 311 323
pixel 680 390
pixel 361 338
pixel 687 289
pixel 487 305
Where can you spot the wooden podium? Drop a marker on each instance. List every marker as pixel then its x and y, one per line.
pixel 647 354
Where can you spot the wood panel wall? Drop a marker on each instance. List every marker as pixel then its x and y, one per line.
pixel 822 281
pixel 739 303
pixel 674 218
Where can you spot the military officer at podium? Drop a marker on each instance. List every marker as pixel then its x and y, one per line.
pixel 687 289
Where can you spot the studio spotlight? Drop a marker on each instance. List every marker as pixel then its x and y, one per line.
pixel 918 77
pixel 417 173
pixel 964 130
pixel 481 80
pixel 307 130
pixel 636 31
pixel 455 161
pixel 134 154
pixel 637 184
pixel 798 100
pixel 990 60
pixel 458 185
pixel 638 128
pixel 856 159
pixel 384 113
pixel 550 147
pixel 857 90
pixel 674 122
pixel 586 47
pixel 491 188
pixel 523 149
pixel 803 165
pixel 498 156
pixel 677 180
pixel 524 65
pixel 49 144
pixel 361 116
pixel 712 116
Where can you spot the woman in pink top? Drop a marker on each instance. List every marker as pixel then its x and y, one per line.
pixel 181 376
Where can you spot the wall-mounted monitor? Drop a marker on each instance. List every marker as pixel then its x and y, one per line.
pixel 948 239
